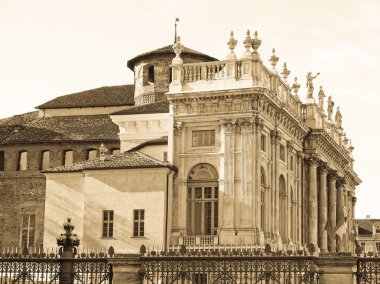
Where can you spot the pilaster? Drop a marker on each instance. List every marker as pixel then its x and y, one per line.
pixel 332 211
pixel 227 226
pixel 312 202
pixel 322 212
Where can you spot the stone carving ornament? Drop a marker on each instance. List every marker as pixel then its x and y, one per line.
pixel 338 118
pixel 330 107
pixel 309 84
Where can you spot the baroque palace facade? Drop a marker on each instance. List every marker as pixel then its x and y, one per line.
pixel 211 153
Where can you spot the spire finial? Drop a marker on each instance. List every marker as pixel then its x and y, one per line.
pixel 175 29
pixel 255 45
pixel 273 60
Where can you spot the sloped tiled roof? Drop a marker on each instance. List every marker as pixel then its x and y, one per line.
pixel 165 50
pixel 157 107
pixel 366 225
pixel 20 119
pixel 66 128
pixel 127 160
pixel 100 97
pixel 159 141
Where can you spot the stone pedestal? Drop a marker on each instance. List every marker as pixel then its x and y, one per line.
pixel 336 269
pixel 126 269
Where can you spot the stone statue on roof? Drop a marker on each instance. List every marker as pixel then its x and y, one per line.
pixel 330 107
pixel 338 118
pixel 321 96
pixel 309 84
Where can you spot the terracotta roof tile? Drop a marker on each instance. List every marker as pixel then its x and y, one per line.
pixel 100 97
pixel 66 128
pixel 159 141
pixel 157 107
pixel 165 50
pixel 366 224
pixel 127 160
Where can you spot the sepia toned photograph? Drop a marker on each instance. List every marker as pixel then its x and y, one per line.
pixel 199 142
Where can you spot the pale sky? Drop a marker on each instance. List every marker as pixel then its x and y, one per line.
pixel 50 48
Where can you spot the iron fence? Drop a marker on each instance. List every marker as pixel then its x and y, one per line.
pixel 368 269
pixel 44 268
pixel 212 266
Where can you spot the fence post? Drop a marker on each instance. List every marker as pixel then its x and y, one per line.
pixel 68 243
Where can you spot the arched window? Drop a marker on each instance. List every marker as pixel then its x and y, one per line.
pixel 202 200
pixel 67 157
pixel 22 162
pixel 92 154
pixel 148 75
pixel 45 160
pixel 263 201
pixel 283 208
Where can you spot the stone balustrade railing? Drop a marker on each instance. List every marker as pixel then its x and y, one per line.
pixel 234 74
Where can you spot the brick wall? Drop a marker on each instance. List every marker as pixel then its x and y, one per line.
pixel 23 192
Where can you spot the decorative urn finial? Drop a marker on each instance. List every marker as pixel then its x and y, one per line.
pixel 247 44
pixel 231 45
pixel 296 87
pixel 273 60
pixel 285 72
pixel 178 47
pixel 68 240
pixel 255 45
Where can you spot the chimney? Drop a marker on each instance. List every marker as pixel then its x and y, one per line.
pixel 367 217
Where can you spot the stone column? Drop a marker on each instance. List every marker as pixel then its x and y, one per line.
pixel 322 212
pixel 332 211
pixel 275 137
pixel 227 226
pixel 340 212
pixel 312 202
pixel 246 174
pixel 299 197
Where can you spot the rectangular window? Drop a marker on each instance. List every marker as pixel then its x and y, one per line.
pixel 68 158
pixel 2 160
pixel 45 160
pixel 282 153
pixel 138 222
pixel 203 138
pixel 92 154
pixel 22 161
pixel 27 230
pixel 107 223
pixel 378 247
pixel 263 141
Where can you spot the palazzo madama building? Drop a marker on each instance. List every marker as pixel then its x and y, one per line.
pixel 212 153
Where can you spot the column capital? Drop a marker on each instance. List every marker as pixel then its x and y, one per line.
pixel 341 181
pixel 259 124
pixel 290 146
pixel 275 136
pixel 246 125
pixel 177 127
pixel 228 126
pixel 332 174
pixel 312 160
pixel 323 168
